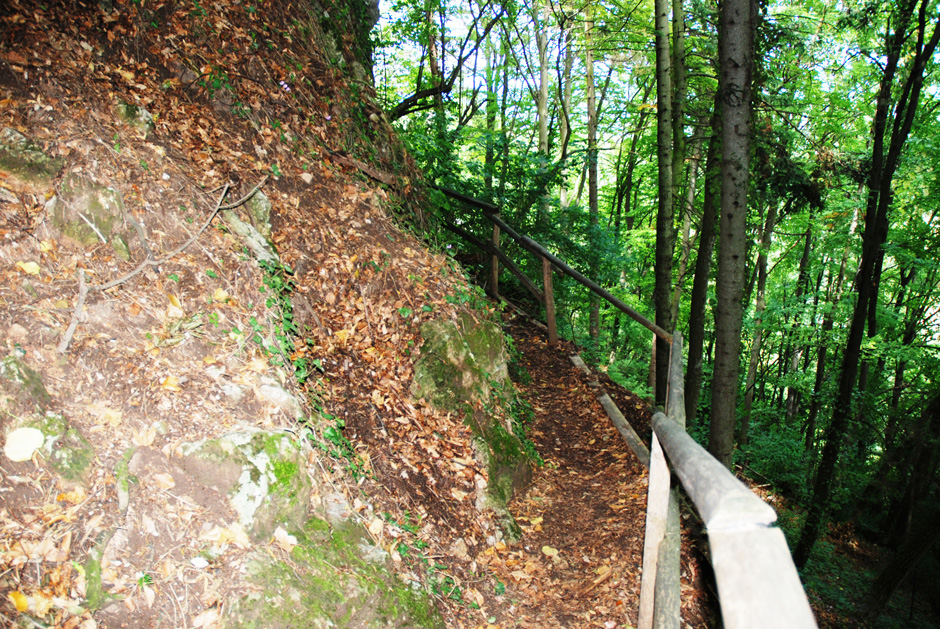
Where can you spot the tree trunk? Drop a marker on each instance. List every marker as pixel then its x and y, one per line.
pixel 503 130
pixel 736 63
pixel 918 543
pixel 766 240
pixel 489 156
pixel 686 246
pixel 594 319
pixel 703 267
pixel 665 217
pixel 565 125
pixel 894 573
pixel 541 39
pixel 793 393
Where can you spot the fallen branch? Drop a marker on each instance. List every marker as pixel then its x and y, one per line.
pixel 76 314
pixel 83 290
pixel 380 176
pixel 143 238
pixel 218 208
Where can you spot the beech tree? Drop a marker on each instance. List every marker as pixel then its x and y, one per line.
pixel 736 62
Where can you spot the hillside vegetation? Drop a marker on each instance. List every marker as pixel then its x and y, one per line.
pixel 211 306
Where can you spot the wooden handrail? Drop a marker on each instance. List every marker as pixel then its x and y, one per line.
pixel 490 211
pixel 496 251
pixel 758 585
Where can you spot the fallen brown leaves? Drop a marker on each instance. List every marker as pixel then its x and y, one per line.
pixel 165 357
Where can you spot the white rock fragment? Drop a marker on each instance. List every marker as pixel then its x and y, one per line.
pixel 22 443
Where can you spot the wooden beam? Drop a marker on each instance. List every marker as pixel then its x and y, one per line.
pixel 720 498
pixel 489 248
pixel 494 264
pixel 538 250
pixel 675 385
pixel 667 608
pixel 758 585
pixel 657 506
pixel 490 211
pixel 549 300
pixel 626 431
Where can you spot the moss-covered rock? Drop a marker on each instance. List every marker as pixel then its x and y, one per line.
pixel 135 117
pixel 463 368
pixel 100 205
pixel 23 388
pixel 334 581
pixel 259 209
pixel 68 451
pixel 263 473
pixel 26 400
pixel 260 248
pixel 22 159
pixel 461 362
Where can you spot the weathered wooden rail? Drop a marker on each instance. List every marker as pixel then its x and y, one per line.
pixel 758 585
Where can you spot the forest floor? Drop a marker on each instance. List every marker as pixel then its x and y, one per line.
pixel 583 516
pixel 170 356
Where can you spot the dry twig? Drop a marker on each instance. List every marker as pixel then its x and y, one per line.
pixel 83 290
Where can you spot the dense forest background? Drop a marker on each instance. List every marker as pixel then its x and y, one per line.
pixel 607 131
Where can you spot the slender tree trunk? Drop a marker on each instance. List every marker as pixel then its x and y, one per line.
pixel 541 39
pixel 594 322
pixel 633 158
pixel 894 452
pixel 703 267
pixel 915 545
pixel 489 157
pixel 686 246
pixel 793 393
pixel 680 90
pixel 897 569
pixel 503 130
pixel 736 62
pixel 766 239
pixel 665 217
pixel 565 126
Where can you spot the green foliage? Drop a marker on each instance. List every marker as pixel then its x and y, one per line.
pixel 836 579
pixel 324 430
pixel 775 452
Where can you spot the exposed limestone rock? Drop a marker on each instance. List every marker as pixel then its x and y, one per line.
pixel 259 209
pixel 135 117
pixel 68 451
pixel 251 237
pixel 100 206
pixel 269 390
pixel 338 578
pixel 24 392
pixel 26 399
pixel 21 443
pixel 461 362
pixel 263 473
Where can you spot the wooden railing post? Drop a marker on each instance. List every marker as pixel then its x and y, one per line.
pixel 494 264
pixel 660 604
pixel 657 506
pixel 549 300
